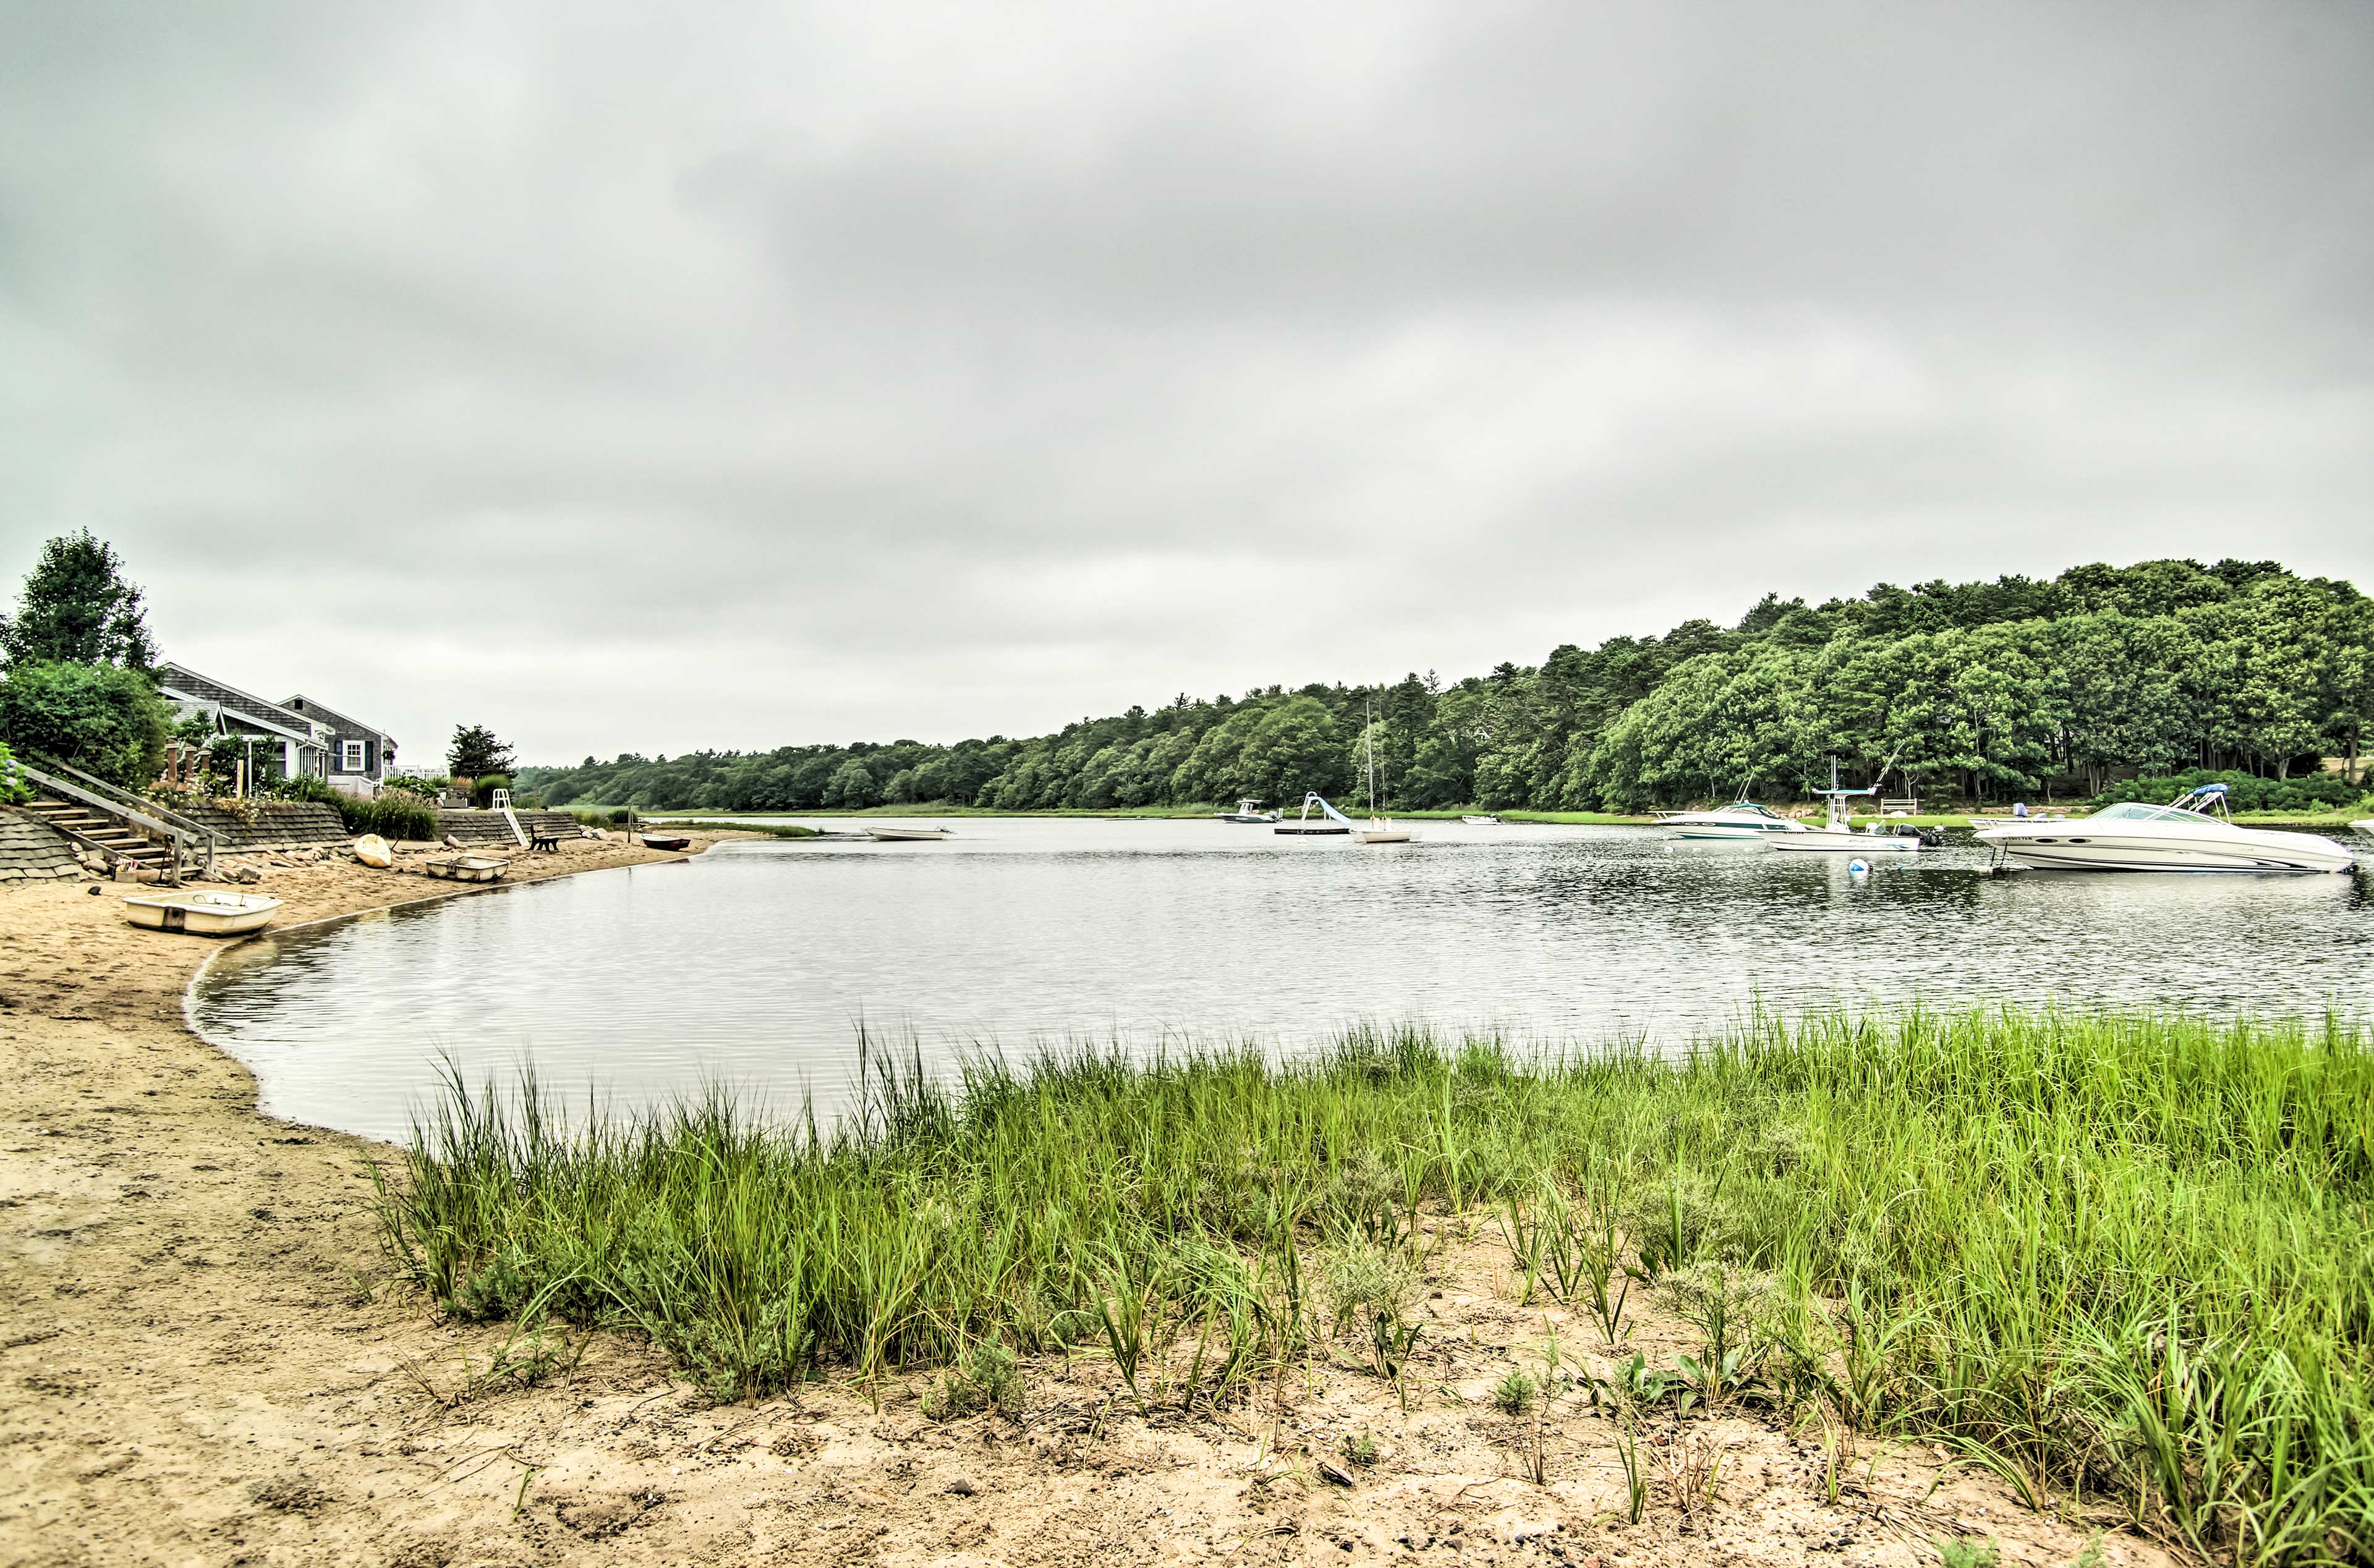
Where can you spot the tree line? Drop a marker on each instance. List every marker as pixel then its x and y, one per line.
pixel 1976 690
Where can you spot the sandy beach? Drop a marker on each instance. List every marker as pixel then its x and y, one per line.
pixel 208 1360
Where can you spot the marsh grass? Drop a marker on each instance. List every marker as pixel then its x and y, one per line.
pixel 2100 1254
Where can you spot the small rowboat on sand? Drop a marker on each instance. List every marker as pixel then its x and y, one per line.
pixel 200 913
pixel 467 868
pixel 663 841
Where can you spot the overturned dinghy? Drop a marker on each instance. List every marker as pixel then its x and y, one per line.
pixel 200 913
pixel 467 868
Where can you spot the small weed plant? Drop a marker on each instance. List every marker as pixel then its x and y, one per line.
pixel 1513 1395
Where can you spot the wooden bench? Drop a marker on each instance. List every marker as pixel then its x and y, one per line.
pixel 546 839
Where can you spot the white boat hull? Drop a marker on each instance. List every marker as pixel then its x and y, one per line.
pixel 1841 840
pixel 1725 830
pixel 467 868
pixel 201 914
pixel 2366 828
pixel 1381 835
pixel 2085 844
pixel 904 835
pixel 1481 820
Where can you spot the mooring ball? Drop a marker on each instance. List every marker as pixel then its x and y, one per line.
pixel 1858 867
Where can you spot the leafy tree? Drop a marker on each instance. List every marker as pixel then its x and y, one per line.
pixel 78 609
pixel 1971 688
pixel 103 718
pixel 852 787
pixel 475 750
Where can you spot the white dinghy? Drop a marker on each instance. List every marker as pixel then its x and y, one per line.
pixel 892 833
pixel 200 913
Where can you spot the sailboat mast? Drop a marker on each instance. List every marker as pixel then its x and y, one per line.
pixel 1369 712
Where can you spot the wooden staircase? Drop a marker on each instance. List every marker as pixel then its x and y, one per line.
pixel 128 829
pixel 83 826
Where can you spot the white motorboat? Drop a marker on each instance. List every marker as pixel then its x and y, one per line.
pixel 1248 811
pixel 1487 820
pixel 201 914
pixel 1741 819
pixel 1838 833
pixel 2191 833
pixel 893 833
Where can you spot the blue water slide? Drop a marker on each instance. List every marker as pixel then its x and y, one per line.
pixel 1314 798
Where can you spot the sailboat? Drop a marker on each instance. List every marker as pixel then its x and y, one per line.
pixel 1379 830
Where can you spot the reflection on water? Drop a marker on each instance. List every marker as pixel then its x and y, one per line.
pixel 753 965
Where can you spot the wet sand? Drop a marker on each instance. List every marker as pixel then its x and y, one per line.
pixel 208 1361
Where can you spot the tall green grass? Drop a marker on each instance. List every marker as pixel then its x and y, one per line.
pixel 2099 1254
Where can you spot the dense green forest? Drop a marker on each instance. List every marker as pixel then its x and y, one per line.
pixel 1971 690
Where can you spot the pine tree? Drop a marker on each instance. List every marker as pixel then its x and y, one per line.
pixel 78 609
pixel 476 753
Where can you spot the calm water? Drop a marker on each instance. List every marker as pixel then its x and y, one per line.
pixel 754 964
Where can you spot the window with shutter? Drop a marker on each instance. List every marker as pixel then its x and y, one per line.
pixel 350 756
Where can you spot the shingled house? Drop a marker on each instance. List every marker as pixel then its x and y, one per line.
pixel 300 745
pixel 361 757
pixel 304 736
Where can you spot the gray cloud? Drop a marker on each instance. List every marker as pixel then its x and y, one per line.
pixel 937 370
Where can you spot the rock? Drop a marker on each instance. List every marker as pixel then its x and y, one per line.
pixel 1330 1471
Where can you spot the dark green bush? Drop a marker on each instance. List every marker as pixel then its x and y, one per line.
pixel 104 719
pixel 390 816
pixel 482 791
pixel 2245 791
pixel 304 787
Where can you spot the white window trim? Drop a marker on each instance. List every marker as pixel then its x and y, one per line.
pixel 350 756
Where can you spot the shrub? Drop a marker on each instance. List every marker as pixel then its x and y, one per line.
pixel 2244 792
pixel 482 789
pixel 430 790
pixel 304 787
pixel 104 719
pixel 14 791
pixel 390 816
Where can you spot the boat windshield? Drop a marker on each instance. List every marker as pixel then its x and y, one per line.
pixel 2142 811
pixel 1745 808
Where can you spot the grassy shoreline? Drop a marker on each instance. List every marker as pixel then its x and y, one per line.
pixel 2098 1254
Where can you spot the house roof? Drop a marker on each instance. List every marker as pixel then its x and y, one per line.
pixel 302 704
pixel 181 682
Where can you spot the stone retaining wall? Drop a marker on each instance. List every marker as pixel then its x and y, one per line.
pixel 278 825
pixel 488 827
pixel 32 850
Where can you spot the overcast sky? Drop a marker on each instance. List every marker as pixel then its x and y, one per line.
pixel 633 377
